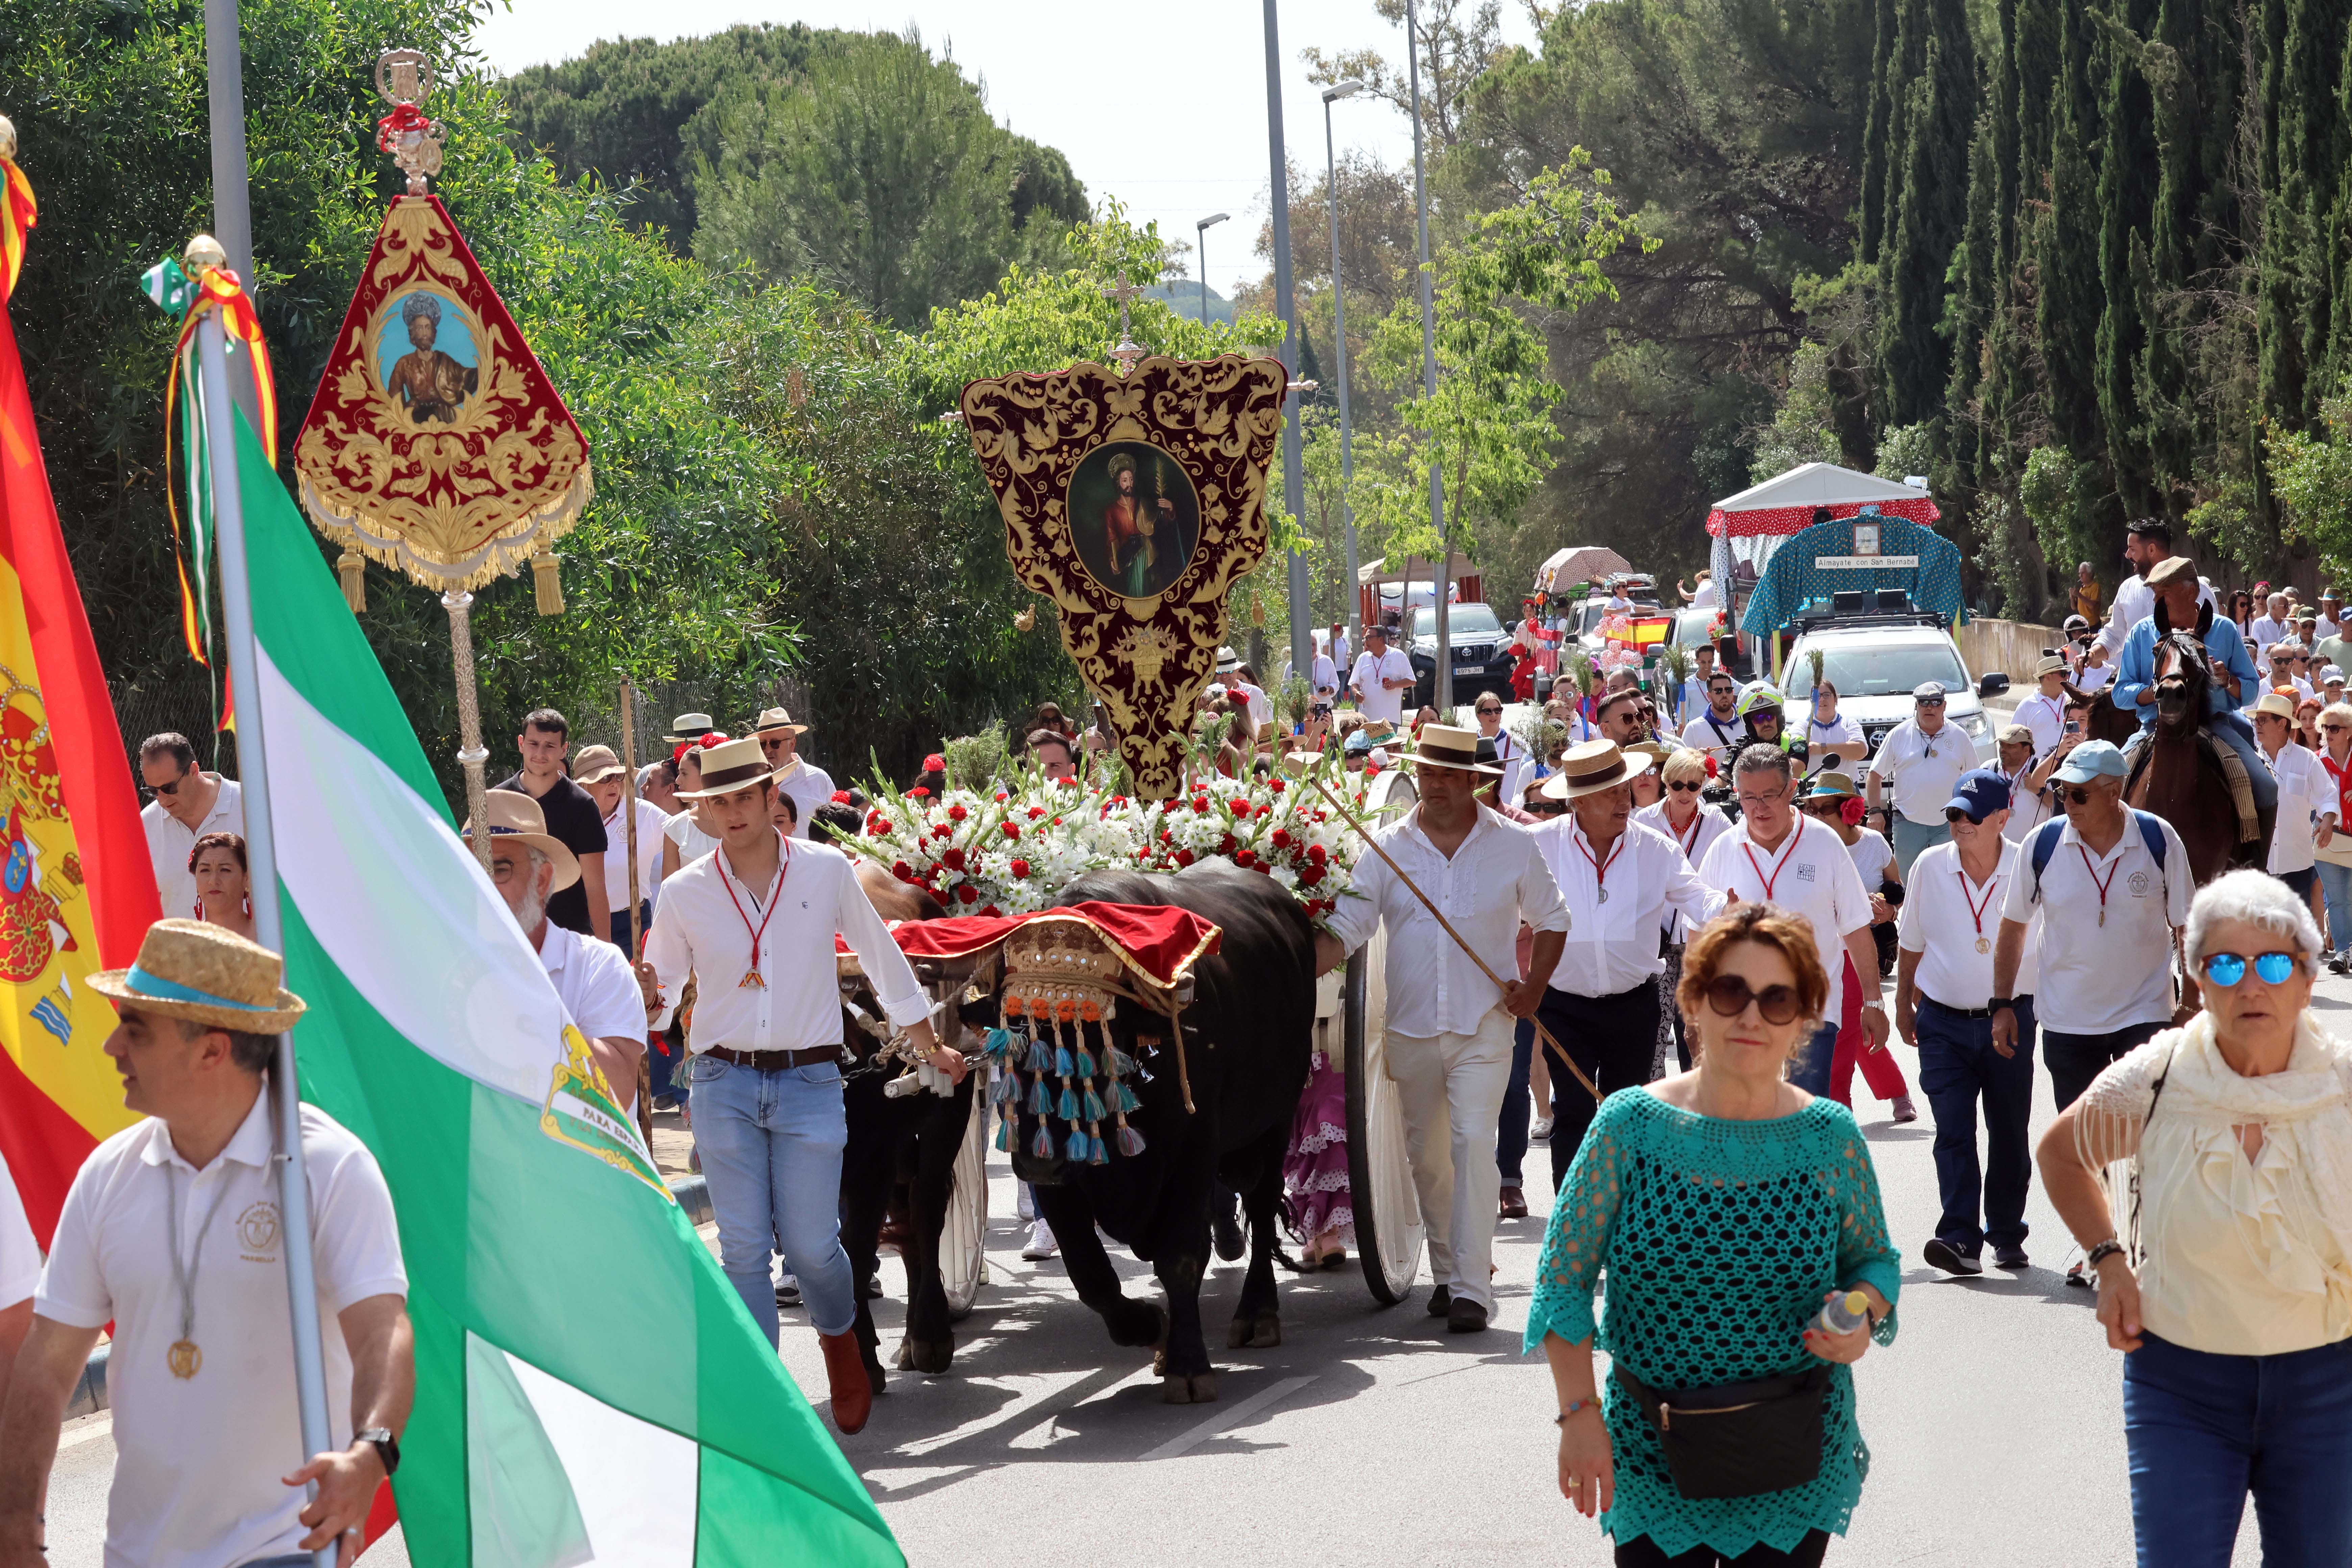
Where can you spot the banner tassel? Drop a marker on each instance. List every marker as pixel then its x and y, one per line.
pixel 351 566
pixel 546 585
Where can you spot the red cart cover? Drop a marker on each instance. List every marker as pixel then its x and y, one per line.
pixel 1160 944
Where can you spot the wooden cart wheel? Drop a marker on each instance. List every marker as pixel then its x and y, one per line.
pixel 963 1258
pixel 1388 1211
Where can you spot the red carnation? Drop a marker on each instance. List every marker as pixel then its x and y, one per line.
pixel 991 913
pixel 952 857
pixel 1274 787
pixel 940 831
pixel 1035 812
pixel 1012 830
pixel 1309 875
pixel 1225 845
pixel 1316 852
pixel 840 797
pixel 1019 868
pixel 1281 838
pixel 920 791
pixel 967 893
pixel 1262 866
pixel 1183 858
pixel 957 813
pixel 901 871
pixel 1243 858
pixel 1241 808
pixel 935 763
pixel 1002 797
pixel 1166 834
pixel 1200 802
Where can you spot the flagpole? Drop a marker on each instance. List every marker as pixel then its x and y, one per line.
pixel 261 853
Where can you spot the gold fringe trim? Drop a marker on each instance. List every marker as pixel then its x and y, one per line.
pixel 528 535
pixel 546 586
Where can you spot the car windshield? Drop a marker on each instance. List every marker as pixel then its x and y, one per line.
pixel 1466 621
pixel 1690 627
pixel 1861 671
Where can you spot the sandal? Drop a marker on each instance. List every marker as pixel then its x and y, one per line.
pixel 1335 1259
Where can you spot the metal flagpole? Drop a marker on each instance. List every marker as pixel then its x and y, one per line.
pixel 231 206
pixel 1339 348
pixel 471 753
pixel 261 853
pixel 1441 685
pixel 1294 482
pixel 637 937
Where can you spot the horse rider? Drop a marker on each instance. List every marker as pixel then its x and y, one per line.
pixel 2148 544
pixel 2177 588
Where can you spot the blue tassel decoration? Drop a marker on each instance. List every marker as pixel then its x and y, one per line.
pixel 1094 1105
pixel 1043 1145
pixel 1130 1142
pixel 1121 1064
pixel 1073 1148
pixel 1068 1109
pixel 1095 1153
pixel 1041 1098
pixel 1006 1089
pixel 1005 1136
pixel 1086 1062
pixel 1041 1056
pixel 1062 1068
pixel 1123 1098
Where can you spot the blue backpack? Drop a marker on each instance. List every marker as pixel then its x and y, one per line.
pixel 2045 845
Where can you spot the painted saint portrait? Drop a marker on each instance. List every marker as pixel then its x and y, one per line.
pixel 1134 518
pixel 428 359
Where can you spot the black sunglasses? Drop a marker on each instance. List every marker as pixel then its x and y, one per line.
pixel 1692 785
pixel 2078 796
pixel 1953 814
pixel 1727 995
pixel 1546 807
pixel 170 789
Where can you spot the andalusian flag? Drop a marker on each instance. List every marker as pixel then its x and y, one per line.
pixel 76 890
pixel 590 1388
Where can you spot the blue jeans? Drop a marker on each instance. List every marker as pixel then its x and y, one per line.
pixel 1511 1127
pixel 2203 1430
pixel 1809 1068
pixel 1912 838
pixel 1956 1065
pixel 2336 889
pixel 771 1146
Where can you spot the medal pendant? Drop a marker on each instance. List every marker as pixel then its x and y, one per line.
pixel 2102 919
pixel 1605 895
pixel 1984 944
pixel 183 1358
pixel 751 980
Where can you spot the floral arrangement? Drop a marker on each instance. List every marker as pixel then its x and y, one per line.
pixel 1012 850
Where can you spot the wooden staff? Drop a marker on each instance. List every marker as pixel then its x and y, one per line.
pixel 637 937
pixel 1356 823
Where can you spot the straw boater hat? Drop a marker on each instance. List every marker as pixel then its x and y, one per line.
pixel 1592 767
pixel 206 975
pixel 516 817
pixel 1445 746
pixel 771 721
pixel 729 766
pixel 689 727
pixel 595 762
pixel 1228 661
pixel 2278 705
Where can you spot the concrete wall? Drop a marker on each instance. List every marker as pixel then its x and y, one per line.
pixel 2014 647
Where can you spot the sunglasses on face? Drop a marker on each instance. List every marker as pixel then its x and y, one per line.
pixel 1728 996
pixel 1488 712
pixel 1928 702
pixel 2078 795
pixel 2229 968
pixel 170 789
pixel 1686 785
pixel 1823 807
pixel 1955 815
pixel 2334 728
pixel 1546 807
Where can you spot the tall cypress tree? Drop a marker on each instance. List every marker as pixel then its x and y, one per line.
pixel 1975 294
pixel 2303 43
pixel 1924 227
pixel 1880 129
pixel 2128 180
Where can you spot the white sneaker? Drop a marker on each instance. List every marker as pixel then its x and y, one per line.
pixel 1541 1132
pixel 1042 1243
pixel 1028 1209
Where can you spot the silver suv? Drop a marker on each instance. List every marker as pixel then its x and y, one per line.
pixel 1875 661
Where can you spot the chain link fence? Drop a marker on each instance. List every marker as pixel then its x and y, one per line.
pixel 174 698
pixel 663 700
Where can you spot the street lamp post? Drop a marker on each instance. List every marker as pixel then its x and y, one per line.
pixel 1442 682
pixel 1339 346
pixel 1294 484
pixel 1201 248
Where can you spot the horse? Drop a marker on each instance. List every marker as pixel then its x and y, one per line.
pixel 2178 776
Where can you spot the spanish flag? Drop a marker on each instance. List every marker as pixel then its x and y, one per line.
pixel 76 890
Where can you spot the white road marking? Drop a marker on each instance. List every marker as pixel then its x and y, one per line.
pixel 1040 1387
pixel 103 1427
pixel 1232 1416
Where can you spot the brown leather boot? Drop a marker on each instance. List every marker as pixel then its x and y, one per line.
pixel 845 1376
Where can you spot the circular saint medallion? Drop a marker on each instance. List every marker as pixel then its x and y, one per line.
pixel 1134 518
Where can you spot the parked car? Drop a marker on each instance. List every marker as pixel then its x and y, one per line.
pixel 1875 661
pixel 1482 653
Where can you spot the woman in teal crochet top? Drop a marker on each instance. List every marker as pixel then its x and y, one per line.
pixel 1727 1207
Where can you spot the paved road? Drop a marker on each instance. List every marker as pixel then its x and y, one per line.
pixel 1374 1436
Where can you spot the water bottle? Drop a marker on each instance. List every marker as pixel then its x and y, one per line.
pixel 1843 1314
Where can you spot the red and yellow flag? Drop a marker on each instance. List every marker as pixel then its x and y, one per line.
pixel 76 890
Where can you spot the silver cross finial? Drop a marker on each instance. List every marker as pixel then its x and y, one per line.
pixel 1128 350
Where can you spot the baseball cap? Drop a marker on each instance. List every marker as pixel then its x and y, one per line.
pixel 2333 672
pixel 2092 760
pixel 1979 792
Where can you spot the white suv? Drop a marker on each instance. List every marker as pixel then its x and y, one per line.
pixel 1875 661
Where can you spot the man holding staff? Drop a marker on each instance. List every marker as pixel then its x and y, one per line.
pixel 1449 1021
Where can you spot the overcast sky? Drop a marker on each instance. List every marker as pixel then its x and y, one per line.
pixel 1162 106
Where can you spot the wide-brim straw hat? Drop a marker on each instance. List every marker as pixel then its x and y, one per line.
pixel 729 766
pixel 596 764
pixel 1228 661
pixel 777 721
pixel 689 727
pixel 1446 746
pixel 517 818
pixel 2278 705
pixel 206 975
pixel 1594 766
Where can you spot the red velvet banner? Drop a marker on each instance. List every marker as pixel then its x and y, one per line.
pixel 1162 942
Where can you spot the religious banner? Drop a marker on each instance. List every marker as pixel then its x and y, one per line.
pixel 1135 497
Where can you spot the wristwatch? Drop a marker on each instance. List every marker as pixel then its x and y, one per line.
pixel 388 1446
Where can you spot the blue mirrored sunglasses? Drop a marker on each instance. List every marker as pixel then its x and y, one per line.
pixel 2229 968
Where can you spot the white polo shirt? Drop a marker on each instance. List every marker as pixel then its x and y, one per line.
pixel 1924 768
pixel 2098 977
pixel 692 842
pixel 1873 858
pixel 1809 874
pixel 1719 738
pixel 170 842
pixel 810 787
pixel 1842 732
pixel 1939 925
pixel 595 984
pixel 2027 809
pixel 197 1460
pixel 1613 944
pixel 2046 717
pixel 2305 790
pixel 1370 671
pixel 20 1257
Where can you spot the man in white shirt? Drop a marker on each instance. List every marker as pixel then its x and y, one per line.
pixel 1923 757
pixel 171 1232
pixel 1619 879
pixel 594 979
pixel 1717 730
pixel 755 919
pixel 2044 712
pixel 599 771
pixel 2289 661
pixel 1449 1028
pixel 1692 700
pixel 1323 676
pixel 2112 908
pixel 809 785
pixel 2148 544
pixel 1381 677
pixel 2330 614
pixel 2267 628
pixel 2306 796
pixel 1775 856
pixel 1943 992
pixel 2025 773
pixel 20 1271
pixel 187 804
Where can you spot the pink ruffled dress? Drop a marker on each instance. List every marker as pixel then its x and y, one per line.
pixel 1315 1169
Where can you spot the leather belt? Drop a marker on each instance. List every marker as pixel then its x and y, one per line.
pixel 1966 1012
pixel 776 1061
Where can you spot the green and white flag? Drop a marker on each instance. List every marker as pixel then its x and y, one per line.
pixel 590 1388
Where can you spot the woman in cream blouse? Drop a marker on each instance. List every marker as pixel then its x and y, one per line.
pixel 2208 1175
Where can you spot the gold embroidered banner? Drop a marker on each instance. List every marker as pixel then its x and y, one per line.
pixel 1136 503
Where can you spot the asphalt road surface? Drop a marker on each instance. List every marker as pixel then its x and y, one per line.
pixel 1372 1435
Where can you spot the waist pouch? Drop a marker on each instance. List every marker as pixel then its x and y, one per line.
pixel 1736 1439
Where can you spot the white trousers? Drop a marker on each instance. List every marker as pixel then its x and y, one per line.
pixel 1450 1088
